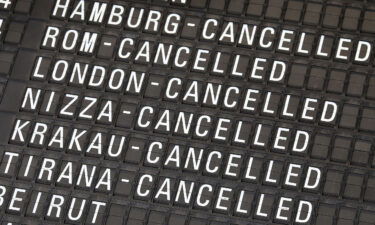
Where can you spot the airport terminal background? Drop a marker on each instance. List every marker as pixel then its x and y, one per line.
pixel 187 112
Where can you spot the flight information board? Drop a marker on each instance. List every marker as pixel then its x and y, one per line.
pixel 187 112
